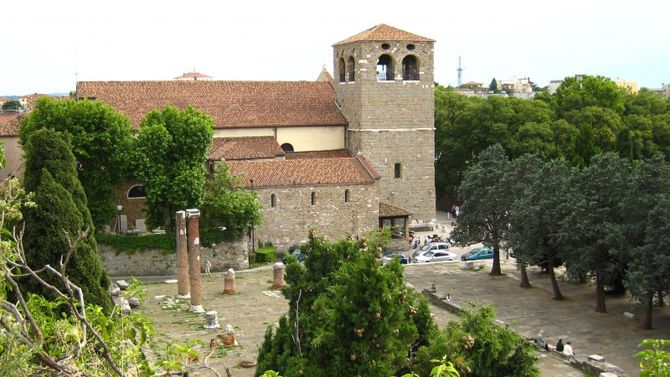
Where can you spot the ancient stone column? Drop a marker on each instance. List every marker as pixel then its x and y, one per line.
pixel 229 282
pixel 278 274
pixel 193 232
pixel 183 290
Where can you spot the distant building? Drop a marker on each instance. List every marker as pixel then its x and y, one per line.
pixel 9 135
pixel 553 86
pixel 517 87
pixel 193 76
pixel 630 85
pixel 28 101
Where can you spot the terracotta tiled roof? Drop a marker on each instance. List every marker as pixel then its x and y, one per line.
pixel 368 166
pixel 340 153
pixel 384 32
pixel 242 148
pixel 231 104
pixel 301 172
pixel 325 76
pixel 387 210
pixel 10 124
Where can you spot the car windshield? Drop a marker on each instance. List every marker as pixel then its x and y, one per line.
pixel 426 247
pixel 429 254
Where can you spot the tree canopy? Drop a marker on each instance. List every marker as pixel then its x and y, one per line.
pixel 169 156
pixel 100 139
pixel 59 218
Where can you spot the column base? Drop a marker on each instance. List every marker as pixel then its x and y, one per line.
pixel 196 309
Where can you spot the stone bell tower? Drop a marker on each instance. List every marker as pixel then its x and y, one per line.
pixel 383 80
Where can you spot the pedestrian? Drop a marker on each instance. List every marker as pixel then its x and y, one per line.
pixel 559 346
pixel 567 350
pixel 540 341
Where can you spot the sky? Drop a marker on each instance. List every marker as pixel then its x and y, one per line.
pixel 49 45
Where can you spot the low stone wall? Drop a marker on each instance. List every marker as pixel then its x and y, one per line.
pixel 592 367
pixel 156 262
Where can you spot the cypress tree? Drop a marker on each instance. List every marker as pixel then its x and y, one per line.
pixel 61 211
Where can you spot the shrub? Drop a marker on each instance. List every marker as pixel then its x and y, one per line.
pixel 133 244
pixel 266 254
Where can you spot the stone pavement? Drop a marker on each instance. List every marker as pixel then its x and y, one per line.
pixel 528 310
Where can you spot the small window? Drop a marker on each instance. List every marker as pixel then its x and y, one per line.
pixel 410 68
pixel 137 192
pixel 397 170
pixel 342 72
pixel 286 147
pixel 411 47
pixel 352 69
pixel 346 196
pixel 385 46
pixel 385 68
pixel 313 198
pixel 273 201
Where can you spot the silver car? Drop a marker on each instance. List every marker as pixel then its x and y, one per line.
pixel 435 256
pixel 431 246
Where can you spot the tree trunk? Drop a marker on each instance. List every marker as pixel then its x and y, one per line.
pixel 525 283
pixel 495 270
pixel 661 303
pixel 552 276
pixel 646 324
pixel 600 294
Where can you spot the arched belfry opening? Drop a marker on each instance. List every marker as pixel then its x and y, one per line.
pixel 287 147
pixel 351 69
pixel 341 70
pixel 410 68
pixel 385 68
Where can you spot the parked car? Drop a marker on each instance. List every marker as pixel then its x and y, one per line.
pixel 435 256
pixel 388 256
pixel 484 252
pixel 431 246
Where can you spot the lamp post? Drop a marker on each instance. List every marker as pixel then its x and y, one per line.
pixel 119 208
pixel 253 235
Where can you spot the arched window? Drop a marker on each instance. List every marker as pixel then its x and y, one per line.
pixel 286 147
pixel 137 192
pixel 273 200
pixel 410 68
pixel 352 69
pixel 313 198
pixel 346 196
pixel 342 72
pixel 397 170
pixel 385 68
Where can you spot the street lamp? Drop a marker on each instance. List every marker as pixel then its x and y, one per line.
pixel 253 235
pixel 119 208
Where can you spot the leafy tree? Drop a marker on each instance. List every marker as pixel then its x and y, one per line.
pixel 169 157
pixel 227 204
pixel 478 346
pixel 485 198
pixel 655 359
pixel 12 106
pixel 100 138
pixel 647 233
pixel 59 217
pixel 576 93
pixel 536 214
pixel 493 86
pixel 593 225
pixel 347 315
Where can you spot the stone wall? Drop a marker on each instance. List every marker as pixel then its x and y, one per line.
pixel 392 122
pixel 288 223
pixel 133 208
pixel 157 262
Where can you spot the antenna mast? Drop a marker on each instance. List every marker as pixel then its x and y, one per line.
pixel 460 71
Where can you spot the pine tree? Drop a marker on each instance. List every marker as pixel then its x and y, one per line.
pixel 61 212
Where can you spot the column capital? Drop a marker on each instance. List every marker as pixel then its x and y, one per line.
pixel 193 212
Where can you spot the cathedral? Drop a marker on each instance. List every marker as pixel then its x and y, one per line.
pixel 343 154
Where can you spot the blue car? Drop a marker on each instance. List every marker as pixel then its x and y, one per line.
pixel 484 252
pixel 388 257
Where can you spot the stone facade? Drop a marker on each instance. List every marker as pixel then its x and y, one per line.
pixel 133 208
pixel 289 221
pixel 392 121
pixel 157 263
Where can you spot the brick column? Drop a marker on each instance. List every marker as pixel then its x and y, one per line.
pixel 278 275
pixel 183 290
pixel 193 216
